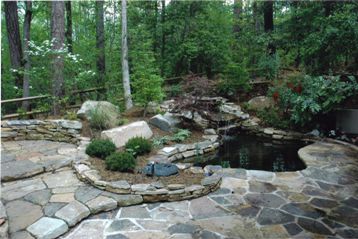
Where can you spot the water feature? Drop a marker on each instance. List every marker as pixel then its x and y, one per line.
pixel 253 152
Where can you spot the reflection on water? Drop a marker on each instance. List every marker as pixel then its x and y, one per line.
pixel 253 152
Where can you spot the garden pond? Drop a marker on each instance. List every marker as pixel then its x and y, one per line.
pixel 254 152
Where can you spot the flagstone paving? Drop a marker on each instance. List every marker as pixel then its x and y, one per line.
pixel 318 202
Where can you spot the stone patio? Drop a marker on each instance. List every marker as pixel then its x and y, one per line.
pixel 318 202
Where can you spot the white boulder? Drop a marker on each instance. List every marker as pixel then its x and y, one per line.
pixel 120 135
pixel 102 106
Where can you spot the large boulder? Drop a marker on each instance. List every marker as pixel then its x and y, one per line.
pixel 120 135
pixel 167 122
pixel 103 107
pixel 260 103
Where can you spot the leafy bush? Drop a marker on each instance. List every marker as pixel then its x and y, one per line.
pixel 160 141
pixel 138 145
pixel 122 121
pixel 120 161
pixel 181 135
pixel 315 95
pixel 100 148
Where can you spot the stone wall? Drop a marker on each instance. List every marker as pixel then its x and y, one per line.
pixel 154 192
pixel 54 130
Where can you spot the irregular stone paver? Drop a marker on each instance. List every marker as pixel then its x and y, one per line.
pixel 18 189
pixel 264 200
pixel 86 193
pixel 61 179
pixel 39 197
pixel 48 228
pixel 73 212
pixel 122 225
pixel 93 229
pixel 134 212
pixel 22 214
pixel 313 226
pixel 51 208
pixel 19 169
pixel 249 204
pixel 302 209
pixel 273 216
pixel 204 208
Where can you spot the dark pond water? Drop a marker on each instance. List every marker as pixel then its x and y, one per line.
pixel 253 152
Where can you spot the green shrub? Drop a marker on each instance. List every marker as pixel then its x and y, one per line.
pixel 138 145
pixel 120 161
pixel 315 95
pixel 100 148
pixel 122 121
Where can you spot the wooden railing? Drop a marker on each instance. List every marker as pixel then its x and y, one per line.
pixel 34 98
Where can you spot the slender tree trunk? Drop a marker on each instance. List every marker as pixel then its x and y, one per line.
pixel 163 37
pixel 268 24
pixel 27 63
pixel 69 26
pixel 255 16
pixel 100 45
pixel 58 36
pixel 237 13
pixel 125 68
pixel 13 33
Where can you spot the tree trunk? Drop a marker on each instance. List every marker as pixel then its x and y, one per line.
pixel 163 36
pixel 13 33
pixel 69 26
pixel 268 24
pixel 237 13
pixel 27 63
pixel 268 16
pixel 58 36
pixel 100 45
pixel 256 16
pixel 125 68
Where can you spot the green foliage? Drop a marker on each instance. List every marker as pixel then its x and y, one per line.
pixel 100 148
pixel 138 145
pixel 319 95
pixel 234 78
pixel 181 135
pixel 160 141
pixel 274 117
pixel 70 115
pixel 120 161
pixel 122 121
pixel 175 90
pixel 269 66
pixel 102 118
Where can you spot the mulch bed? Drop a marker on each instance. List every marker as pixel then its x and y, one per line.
pixel 183 177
